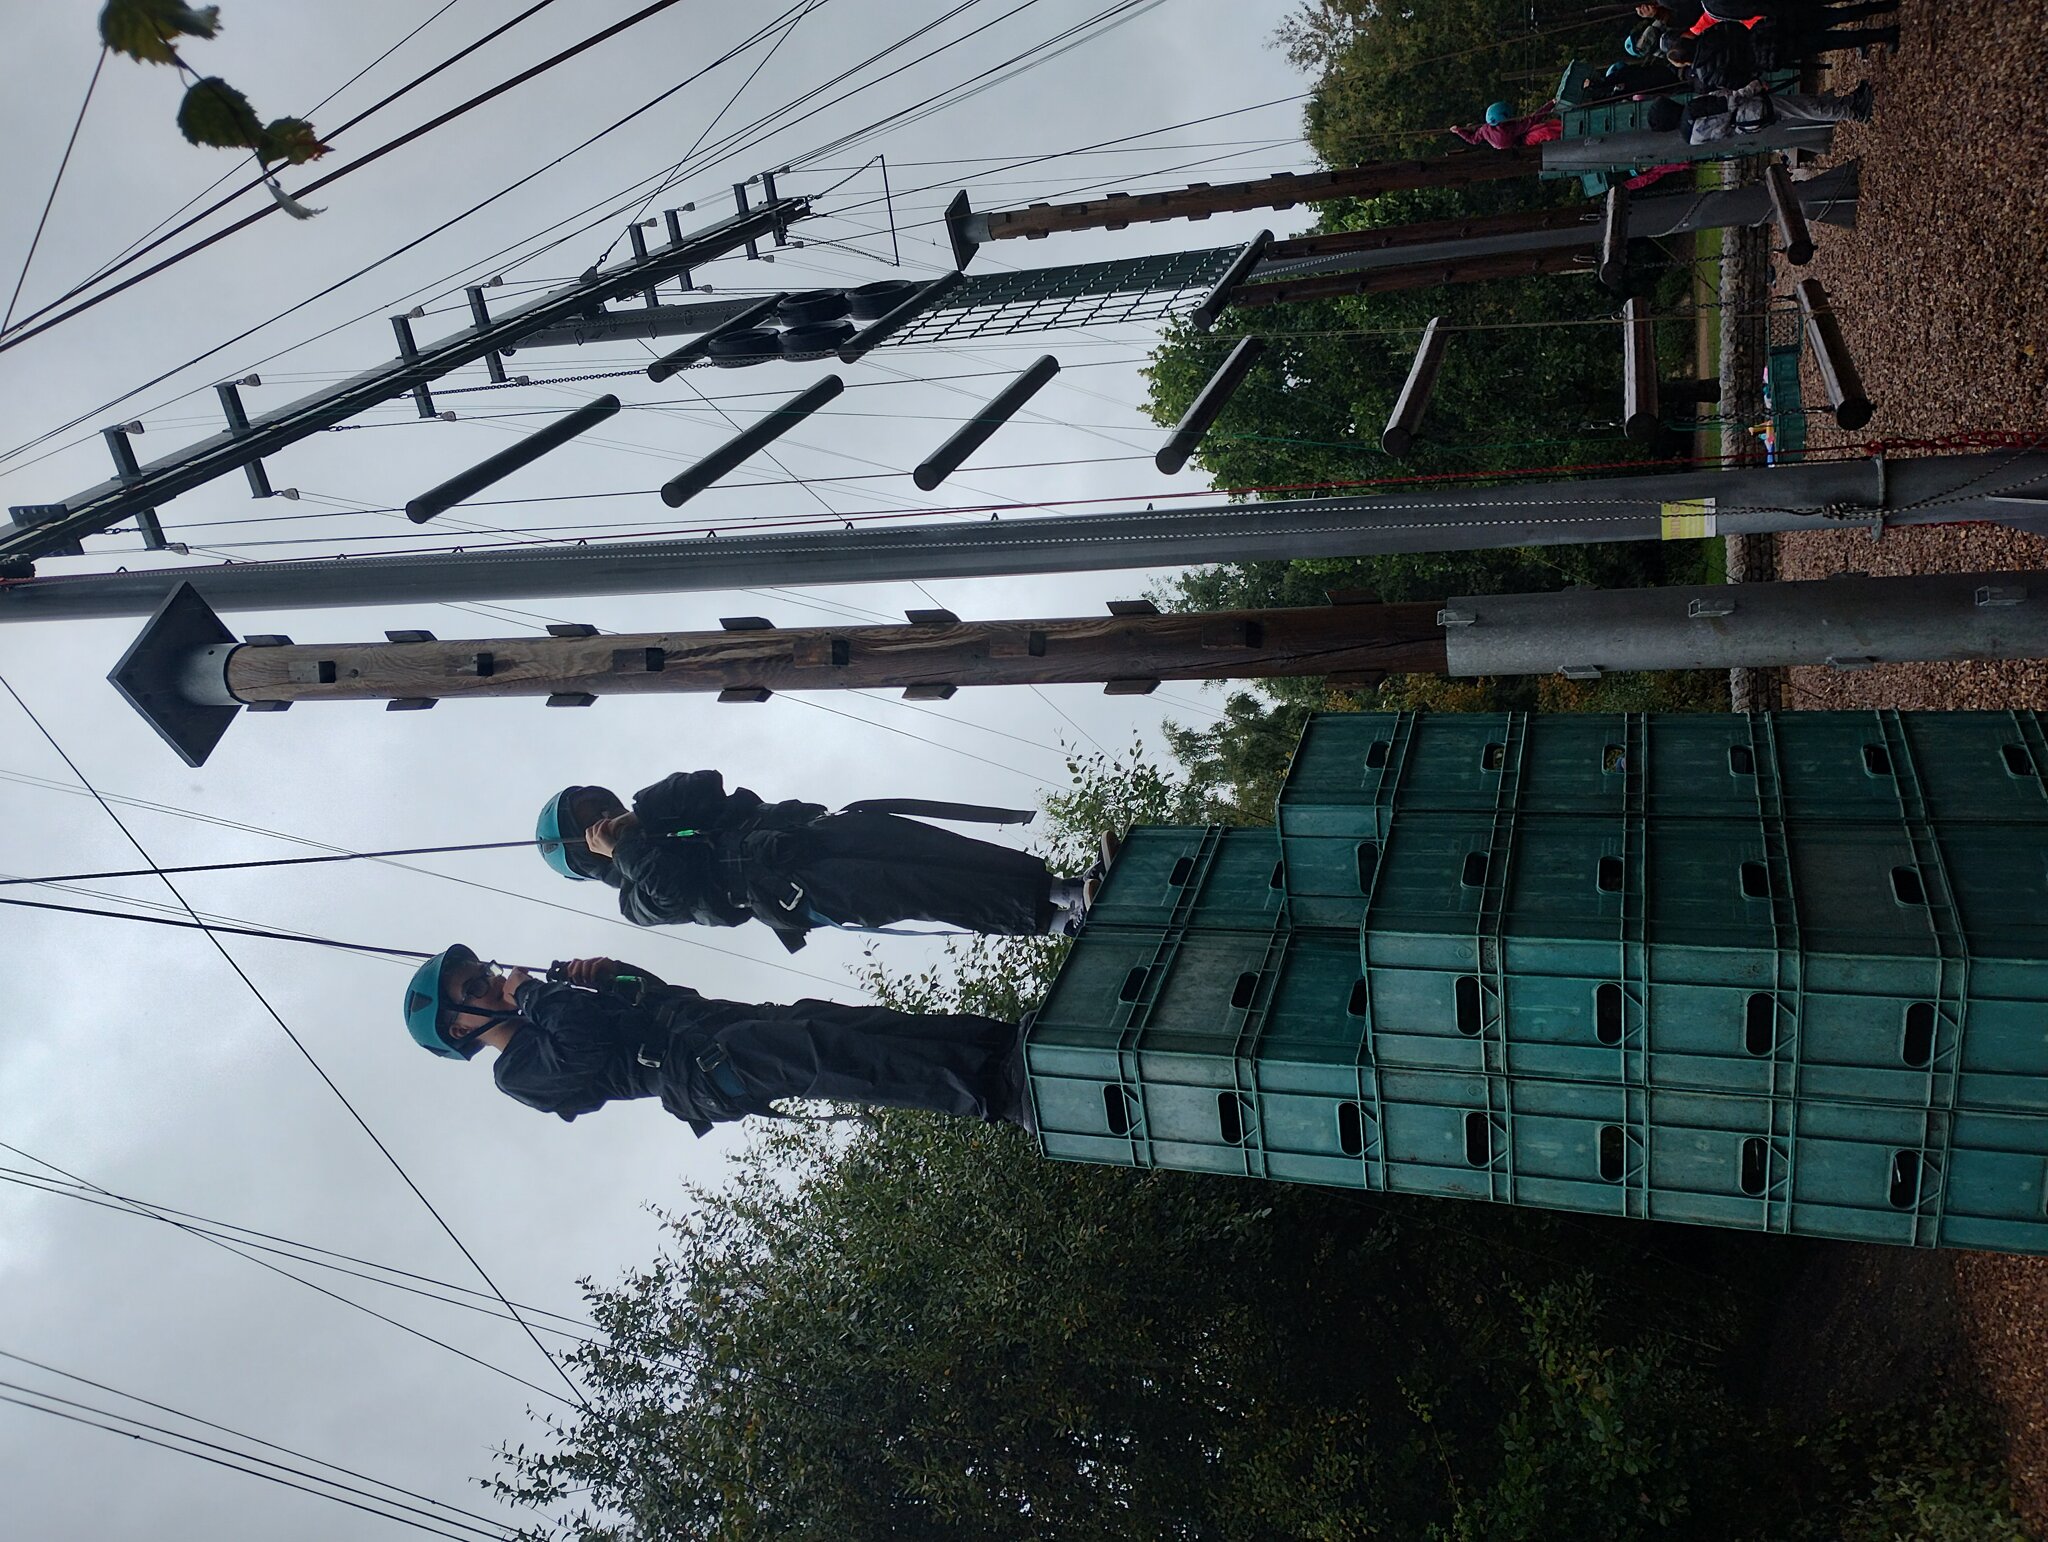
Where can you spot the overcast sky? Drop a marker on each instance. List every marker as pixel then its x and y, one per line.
pixel 131 1056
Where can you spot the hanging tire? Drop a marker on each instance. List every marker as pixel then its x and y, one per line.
pixel 808 309
pixel 737 349
pixel 871 302
pixel 815 342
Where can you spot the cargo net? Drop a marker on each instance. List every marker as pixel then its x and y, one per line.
pixel 1085 294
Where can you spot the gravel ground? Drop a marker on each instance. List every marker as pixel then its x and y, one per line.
pixel 1943 293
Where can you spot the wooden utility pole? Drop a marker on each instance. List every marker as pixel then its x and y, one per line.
pixel 189 676
pixel 1202 199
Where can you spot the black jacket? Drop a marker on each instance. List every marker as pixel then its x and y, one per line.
pixel 698 856
pixel 579 1049
pixel 1725 59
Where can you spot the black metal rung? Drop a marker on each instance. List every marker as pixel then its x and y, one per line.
pixel 480 314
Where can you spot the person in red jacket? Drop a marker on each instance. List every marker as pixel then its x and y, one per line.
pixel 1504 131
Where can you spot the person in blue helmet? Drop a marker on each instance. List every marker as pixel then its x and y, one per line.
pixel 1505 130
pixel 606 1032
pixel 690 852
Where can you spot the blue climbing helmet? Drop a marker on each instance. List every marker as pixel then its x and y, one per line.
pixel 1500 112
pixel 1632 46
pixel 424 1004
pixel 556 833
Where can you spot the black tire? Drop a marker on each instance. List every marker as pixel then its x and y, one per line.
pixel 736 349
pixel 804 310
pixel 814 342
pixel 871 302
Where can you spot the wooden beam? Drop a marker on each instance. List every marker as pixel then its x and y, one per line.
pixel 1399 435
pixel 1426 275
pixel 1838 372
pixel 1640 418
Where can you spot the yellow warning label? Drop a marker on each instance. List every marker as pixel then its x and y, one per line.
pixel 1688 519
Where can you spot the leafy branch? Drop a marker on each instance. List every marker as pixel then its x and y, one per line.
pixel 212 112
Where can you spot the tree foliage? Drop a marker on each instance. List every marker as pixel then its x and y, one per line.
pixel 212 112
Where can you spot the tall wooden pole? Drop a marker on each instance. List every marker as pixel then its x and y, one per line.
pixel 1117 210
pixel 189 677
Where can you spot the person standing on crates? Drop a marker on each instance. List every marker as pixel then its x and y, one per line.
pixel 688 851
pixel 596 1031
pixel 1503 130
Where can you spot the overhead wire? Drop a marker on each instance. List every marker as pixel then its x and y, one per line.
pixel 23 332
pixel 242 1462
pixel 63 164
pixel 492 1525
pixel 418 28
pixel 299 1044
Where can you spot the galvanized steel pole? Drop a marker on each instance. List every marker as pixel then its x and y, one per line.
pixel 1826 495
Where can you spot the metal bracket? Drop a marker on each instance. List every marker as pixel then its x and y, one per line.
pixel 1709 610
pixel 1849 663
pixel 1580 671
pixel 1998 595
pixel 1449 617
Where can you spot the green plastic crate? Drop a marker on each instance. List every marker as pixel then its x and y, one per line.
pixel 1211 877
pixel 1802 1167
pixel 1352 771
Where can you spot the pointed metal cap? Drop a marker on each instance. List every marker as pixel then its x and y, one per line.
pixel 167 674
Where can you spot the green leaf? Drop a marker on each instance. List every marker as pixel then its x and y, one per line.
pixel 291 140
pixel 215 113
pixel 143 29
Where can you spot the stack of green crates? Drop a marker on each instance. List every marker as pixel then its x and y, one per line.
pixel 1784 972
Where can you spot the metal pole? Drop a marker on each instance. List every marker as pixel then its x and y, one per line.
pixel 887 326
pixel 950 456
pixel 1838 372
pixel 98 508
pixel 1825 495
pixel 1791 220
pixel 1614 239
pixel 1208 405
pixel 1203 316
pixel 735 451
pixel 1398 437
pixel 496 468
pixel 671 364
pixel 1844 622
pixel 1639 414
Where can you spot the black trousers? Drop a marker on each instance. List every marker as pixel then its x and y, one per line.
pixel 879 869
pixel 946 1063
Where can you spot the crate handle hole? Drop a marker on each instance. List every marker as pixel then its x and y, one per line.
pixel 1756 881
pixel 1183 870
pixel 1610 1152
pixel 1368 864
pixel 1493 757
pixel 1279 877
pixel 1473 875
pixel 1741 760
pixel 1134 984
pixel 1877 760
pixel 1610 875
pixel 1376 753
pixel 1117 1109
pixel 1905 1190
pixel 1247 987
pixel 1756 1167
pixel 1607 1013
pixel 1760 1024
pixel 1918 1048
pixel 1465 996
pixel 1351 1129
pixel 1233 1117
pixel 1360 1001
pixel 1613 758
pixel 1907 887
pixel 2017 761
pixel 1478 1140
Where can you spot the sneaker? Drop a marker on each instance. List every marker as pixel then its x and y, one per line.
pixel 1089 889
pixel 1111 845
